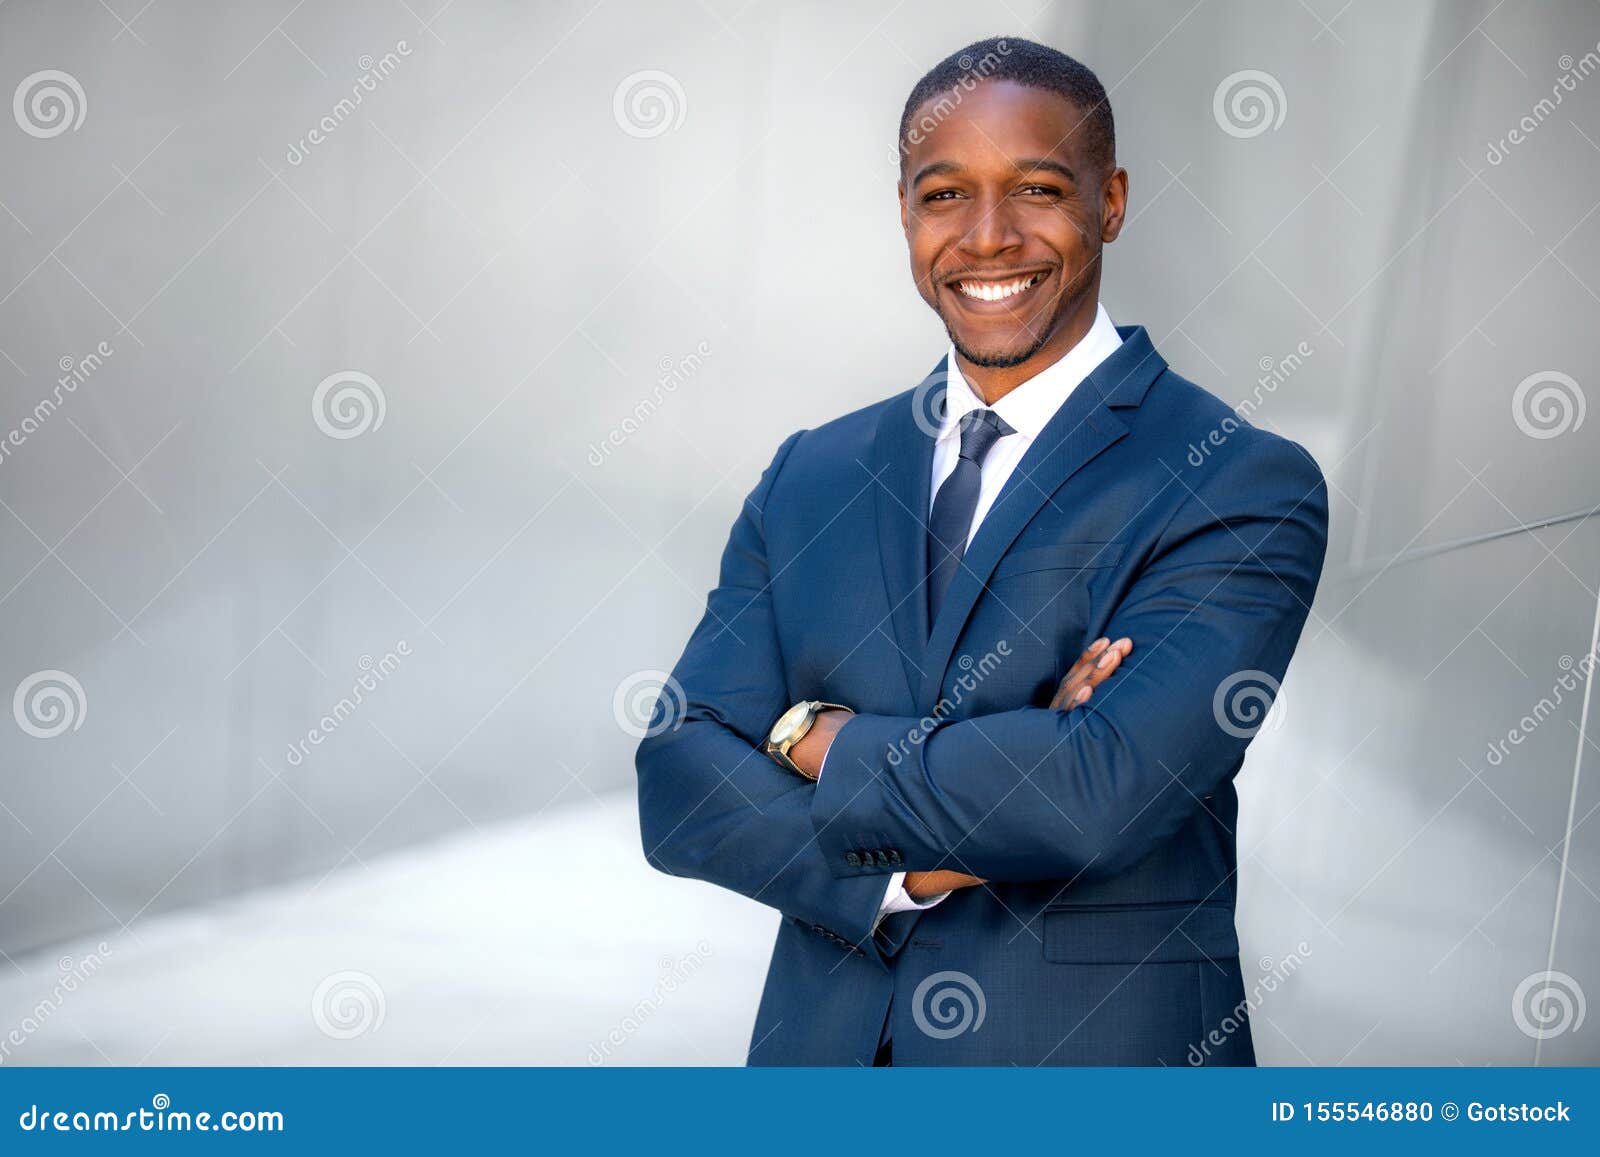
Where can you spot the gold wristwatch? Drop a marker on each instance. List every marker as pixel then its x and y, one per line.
pixel 792 727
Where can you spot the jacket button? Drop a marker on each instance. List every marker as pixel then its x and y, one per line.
pixel 852 859
pixel 894 856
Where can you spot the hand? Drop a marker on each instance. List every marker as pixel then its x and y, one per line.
pixel 812 749
pixel 1093 667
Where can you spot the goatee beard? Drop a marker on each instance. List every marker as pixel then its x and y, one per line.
pixel 994 361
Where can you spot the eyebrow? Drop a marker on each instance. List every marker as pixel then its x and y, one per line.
pixel 1029 165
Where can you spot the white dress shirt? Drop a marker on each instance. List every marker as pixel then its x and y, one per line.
pixel 1026 409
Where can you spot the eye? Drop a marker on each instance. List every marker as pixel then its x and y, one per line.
pixel 1039 191
pixel 941 195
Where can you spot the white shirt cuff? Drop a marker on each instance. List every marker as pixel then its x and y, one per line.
pixel 897 899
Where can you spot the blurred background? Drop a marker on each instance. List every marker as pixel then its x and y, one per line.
pixel 379 381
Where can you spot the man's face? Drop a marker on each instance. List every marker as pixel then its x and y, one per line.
pixel 1005 215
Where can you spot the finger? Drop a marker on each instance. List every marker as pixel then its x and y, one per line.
pixel 1087 659
pixel 1108 662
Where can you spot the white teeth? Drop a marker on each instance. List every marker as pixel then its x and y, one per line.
pixel 992 291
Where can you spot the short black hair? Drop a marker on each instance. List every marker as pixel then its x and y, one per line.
pixel 1023 62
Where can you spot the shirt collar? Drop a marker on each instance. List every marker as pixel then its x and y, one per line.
pixel 1028 407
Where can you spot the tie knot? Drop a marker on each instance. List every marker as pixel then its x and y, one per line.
pixel 980 429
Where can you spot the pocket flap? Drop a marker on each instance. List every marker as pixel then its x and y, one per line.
pixel 1139 933
pixel 1059 556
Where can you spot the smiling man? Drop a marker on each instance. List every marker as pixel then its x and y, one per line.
pixel 968 700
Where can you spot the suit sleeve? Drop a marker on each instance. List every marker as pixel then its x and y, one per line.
pixel 712 805
pixel 1040 793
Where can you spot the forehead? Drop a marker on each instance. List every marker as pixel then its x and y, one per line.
pixel 993 123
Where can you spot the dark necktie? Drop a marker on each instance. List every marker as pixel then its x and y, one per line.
pixel 953 507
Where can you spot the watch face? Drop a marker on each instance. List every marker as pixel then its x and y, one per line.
pixel 789 722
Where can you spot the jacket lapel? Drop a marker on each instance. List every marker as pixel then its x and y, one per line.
pixel 1083 427
pixel 902 466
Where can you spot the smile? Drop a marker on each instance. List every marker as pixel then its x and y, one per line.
pixel 982 290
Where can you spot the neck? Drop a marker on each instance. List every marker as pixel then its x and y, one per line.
pixel 994 382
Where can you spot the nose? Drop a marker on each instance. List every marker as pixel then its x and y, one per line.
pixel 992 230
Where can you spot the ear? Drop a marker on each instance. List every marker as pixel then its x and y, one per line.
pixel 1113 205
pixel 905 216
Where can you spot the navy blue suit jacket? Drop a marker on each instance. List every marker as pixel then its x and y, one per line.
pixel 1105 935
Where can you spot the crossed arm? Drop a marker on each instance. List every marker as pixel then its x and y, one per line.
pixel 1097 663
pixel 1028 794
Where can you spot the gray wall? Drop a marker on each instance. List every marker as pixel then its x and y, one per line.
pixel 520 276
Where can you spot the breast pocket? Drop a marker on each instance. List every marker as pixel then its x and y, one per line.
pixel 1058 556
pixel 1042 596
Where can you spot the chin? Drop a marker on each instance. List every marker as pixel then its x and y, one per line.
pixel 993 354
